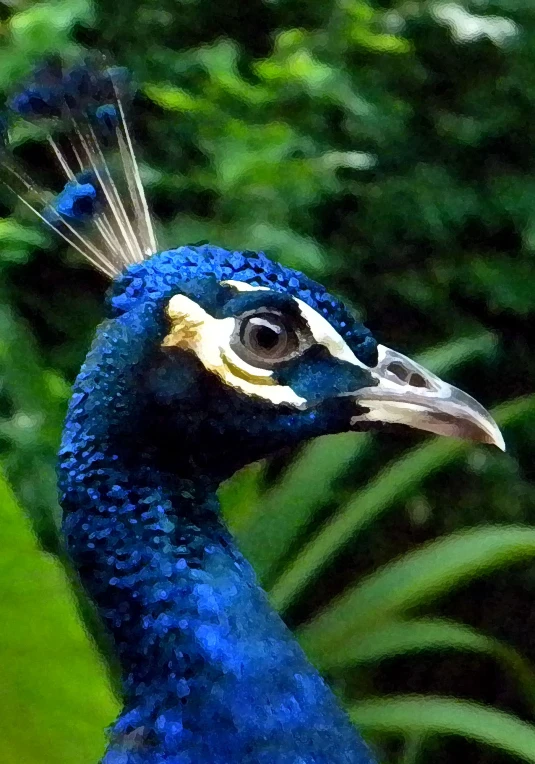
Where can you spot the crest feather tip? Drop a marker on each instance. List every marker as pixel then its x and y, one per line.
pixel 102 213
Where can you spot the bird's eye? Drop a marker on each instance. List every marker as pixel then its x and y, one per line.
pixel 265 339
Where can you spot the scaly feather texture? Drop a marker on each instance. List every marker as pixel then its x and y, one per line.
pixel 212 675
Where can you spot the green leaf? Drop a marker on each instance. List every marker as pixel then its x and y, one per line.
pixel 49 24
pixel 458 351
pixel 283 511
pixel 392 485
pixel 415 580
pixel 38 398
pixel 172 98
pixel 504 283
pixel 428 715
pixel 241 494
pixel 54 691
pixel 13 232
pixel 395 638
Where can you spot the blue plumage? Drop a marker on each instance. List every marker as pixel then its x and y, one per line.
pixel 89 89
pixel 78 201
pixel 208 360
pixel 211 672
pixel 37 101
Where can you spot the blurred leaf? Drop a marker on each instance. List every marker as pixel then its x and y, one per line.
pixel 38 30
pixel 363 17
pixel 54 692
pixel 416 579
pixel 394 483
pixel 444 358
pixel 506 286
pixel 221 63
pixel 289 505
pixel 11 231
pixel 396 638
pixel 241 494
pixel 427 715
pixel 37 398
pixel 397 481
pixel 172 98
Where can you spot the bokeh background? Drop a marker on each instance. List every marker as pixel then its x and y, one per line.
pixel 387 149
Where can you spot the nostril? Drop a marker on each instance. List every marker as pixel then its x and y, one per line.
pixel 416 380
pixel 404 374
pixel 399 370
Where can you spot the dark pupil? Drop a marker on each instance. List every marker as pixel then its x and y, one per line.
pixel 265 337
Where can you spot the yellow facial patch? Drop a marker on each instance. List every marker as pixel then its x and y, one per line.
pixel 209 338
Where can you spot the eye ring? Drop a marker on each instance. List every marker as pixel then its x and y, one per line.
pixel 265 339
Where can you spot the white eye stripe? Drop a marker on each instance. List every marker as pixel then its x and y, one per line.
pixel 325 334
pixel 322 331
pixel 193 329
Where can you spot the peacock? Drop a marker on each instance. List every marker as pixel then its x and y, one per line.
pixel 207 360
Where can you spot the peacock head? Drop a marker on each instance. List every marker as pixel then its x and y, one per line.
pixel 248 357
pixel 230 349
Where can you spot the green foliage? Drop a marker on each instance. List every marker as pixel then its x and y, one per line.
pixel 394 638
pixel 54 698
pixel 385 149
pixel 394 483
pixel 416 579
pixel 428 715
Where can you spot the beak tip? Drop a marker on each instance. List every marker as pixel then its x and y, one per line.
pixel 492 433
pixel 496 439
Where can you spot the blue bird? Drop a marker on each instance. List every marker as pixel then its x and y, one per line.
pixel 208 360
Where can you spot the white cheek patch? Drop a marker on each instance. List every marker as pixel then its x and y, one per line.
pixel 322 331
pixel 192 328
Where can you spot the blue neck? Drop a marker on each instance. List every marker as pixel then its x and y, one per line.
pixel 210 672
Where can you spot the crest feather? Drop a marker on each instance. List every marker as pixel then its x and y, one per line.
pixel 102 211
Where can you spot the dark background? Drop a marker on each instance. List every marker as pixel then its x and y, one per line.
pixel 387 149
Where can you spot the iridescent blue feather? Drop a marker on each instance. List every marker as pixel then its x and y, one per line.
pixel 105 216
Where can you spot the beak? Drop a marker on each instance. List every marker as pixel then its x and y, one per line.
pixel 408 394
